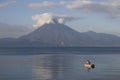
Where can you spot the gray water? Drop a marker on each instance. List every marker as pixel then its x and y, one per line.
pixel 59 66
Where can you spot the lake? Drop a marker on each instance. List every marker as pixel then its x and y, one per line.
pixel 59 63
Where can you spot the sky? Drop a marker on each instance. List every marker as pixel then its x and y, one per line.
pixel 19 17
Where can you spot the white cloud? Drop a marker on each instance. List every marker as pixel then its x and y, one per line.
pixel 4 4
pixel 112 7
pixel 44 4
pixel 41 19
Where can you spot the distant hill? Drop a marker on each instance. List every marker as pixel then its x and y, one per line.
pixel 57 35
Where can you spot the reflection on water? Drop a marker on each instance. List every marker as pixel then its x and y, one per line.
pixel 59 67
pixel 52 67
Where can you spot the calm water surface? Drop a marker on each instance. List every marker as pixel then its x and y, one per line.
pixel 59 66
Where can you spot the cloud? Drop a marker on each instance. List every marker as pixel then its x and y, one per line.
pixel 4 4
pixel 41 19
pixel 44 4
pixel 112 7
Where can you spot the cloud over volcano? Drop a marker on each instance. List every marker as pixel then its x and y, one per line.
pixel 41 19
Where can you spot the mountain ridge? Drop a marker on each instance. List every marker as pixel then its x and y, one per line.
pixel 60 35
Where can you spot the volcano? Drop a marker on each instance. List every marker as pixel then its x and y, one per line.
pixel 53 34
pixel 60 35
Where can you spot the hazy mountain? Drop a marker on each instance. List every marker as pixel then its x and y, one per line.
pixel 102 39
pixel 7 30
pixel 55 34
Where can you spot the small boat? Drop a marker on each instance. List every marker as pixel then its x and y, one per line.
pixel 88 65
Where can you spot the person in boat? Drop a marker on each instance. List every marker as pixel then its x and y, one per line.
pixel 88 62
pixel 88 65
